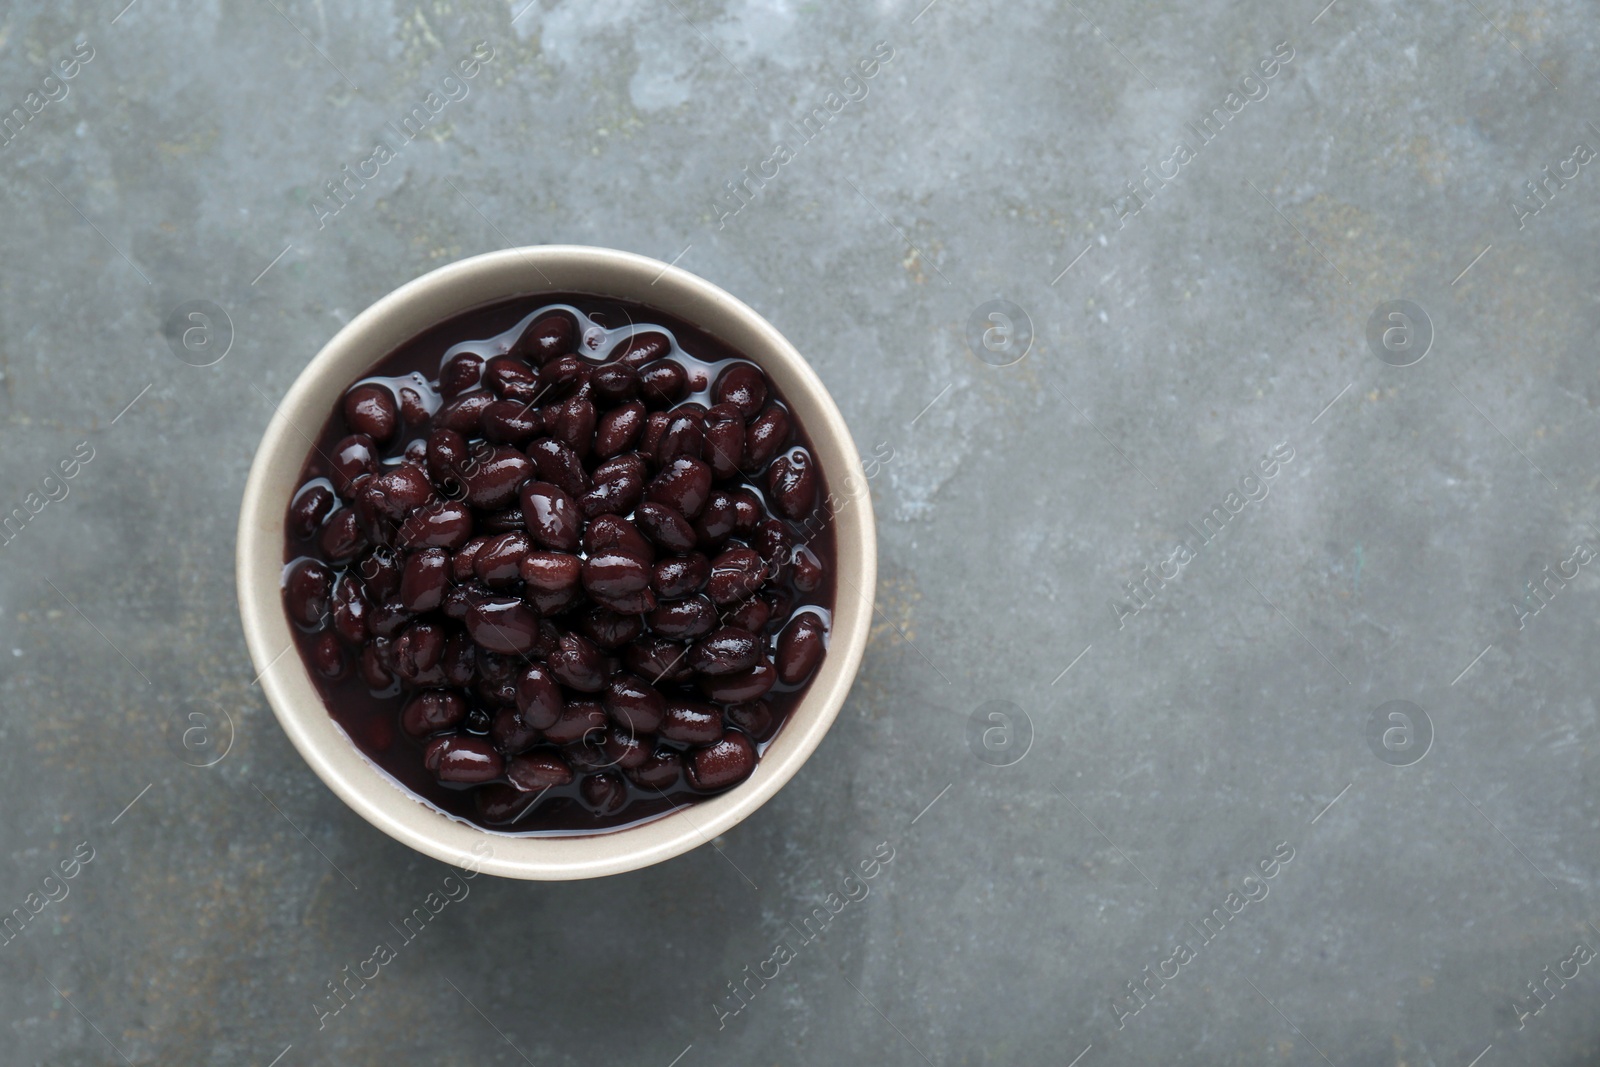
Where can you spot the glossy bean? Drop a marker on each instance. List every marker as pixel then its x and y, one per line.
pixel 683 485
pixel 431 711
pixel 553 519
pixel 724 763
pixel 462 759
pixel 502 624
pixel 691 722
pixel 726 651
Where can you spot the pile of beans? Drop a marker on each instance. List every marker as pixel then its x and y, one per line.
pixel 581 571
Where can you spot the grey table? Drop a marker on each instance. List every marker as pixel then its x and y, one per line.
pixel 1166 532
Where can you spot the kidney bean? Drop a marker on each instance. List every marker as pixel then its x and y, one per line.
pixel 498 804
pixel 552 517
pixel 641 349
pixel 735 575
pixel 748 514
pixel 608 533
pixel 742 385
pixel 441 524
pixel 618 429
pixel 448 455
pixel 510 733
pixel 565 376
pixel 683 485
pixel 369 408
pixel 350 610
pixel 462 759
pixel 658 772
pixel 655 424
pixel 725 762
pixel 502 624
pixel 682 620
pixel 615 383
pixel 806 568
pixel 546 338
pixel 753 717
pixel 535 772
pixel 386 618
pixel 618 487
pixel 724 441
pixel 662 384
pixel 464 414
pixel 341 538
pixel 431 711
pixel 510 422
pixel 685 435
pixel 537 697
pixel 493 481
pixel 511 378
pixel 680 576
pixel 312 504
pixel 727 651
pixel 460 373
pixel 463 563
pixel 608 629
pixel 572 422
pixel 414 410
pixel 306 590
pixel 352 458
pixel 800 648
pixel 498 563
pixel 750 614
pixel 327 655
pixel 691 722
pixel 578 664
pixel 715 524
pixel 766 436
pixel 373 672
pixel 551 572
pixel 578 719
pixel 604 794
pixel 792 484
pixel 615 574
pixel 665 526
pixel 752 684
pixel 399 490
pixel 559 465
pixel 623 750
pixel 656 660
pixel 418 650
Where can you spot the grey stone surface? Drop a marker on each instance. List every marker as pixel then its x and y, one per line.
pixel 1225 317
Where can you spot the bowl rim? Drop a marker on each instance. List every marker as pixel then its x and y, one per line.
pixel 432 298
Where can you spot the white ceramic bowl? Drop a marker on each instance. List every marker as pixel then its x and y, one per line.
pixel 406 312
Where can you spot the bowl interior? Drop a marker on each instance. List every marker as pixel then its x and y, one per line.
pixel 385 326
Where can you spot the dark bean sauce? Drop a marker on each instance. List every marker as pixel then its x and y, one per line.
pixel 559 565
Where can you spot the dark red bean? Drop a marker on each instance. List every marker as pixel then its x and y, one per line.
pixel 441 524
pixel 685 435
pixel 618 487
pixel 578 664
pixel 578 719
pixel 766 436
pixel 623 750
pixel 604 794
pixel 463 563
pixel 792 484
pixel 414 410
pixel 373 672
pixel 511 378
pixel 306 591
pixel 511 422
pixel 716 522
pixel 724 444
pixel 742 385
pixel 463 371
pixel 312 504
pixel 634 704
pixel 665 527
pixel 551 572
pixel 608 533
pixel 656 659
pixel 806 568
pixel 418 650
pixel 327 655
pixel 464 414
pixel 683 620
pixel 612 575
pixel 680 576
pixel 800 648
pixel 662 384
pixel 754 717
pixel 380 573
pixel 511 733
pixel 548 602
pixel 499 804
pixel 691 722
pixel 572 422
pixel 370 409
pixel 498 563
pixel 387 618
pixel 546 338
pixel 609 629
pixel 503 624
pixel 559 465
pixel 752 614
pixel 431 711
pixel 565 376
pixel 538 697
pixel 400 490
pixel 423 583
pixel 538 771
pixel 448 455
pixel 352 457
pixel 659 772
pixel 341 538
pixel 350 610
pixel 726 762
pixel 655 424
pixel 458 660
pixel 726 651
pixel 615 383
pixel 752 684
pixel 642 349
pixel 747 513
pixel 735 575
pixel 683 485
pixel 552 517
pixel 462 759
pixel 618 429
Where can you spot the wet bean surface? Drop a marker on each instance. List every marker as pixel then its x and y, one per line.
pixel 560 566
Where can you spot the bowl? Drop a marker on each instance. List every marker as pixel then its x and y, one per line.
pixel 422 303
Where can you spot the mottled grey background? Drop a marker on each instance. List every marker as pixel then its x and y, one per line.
pixel 1221 320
